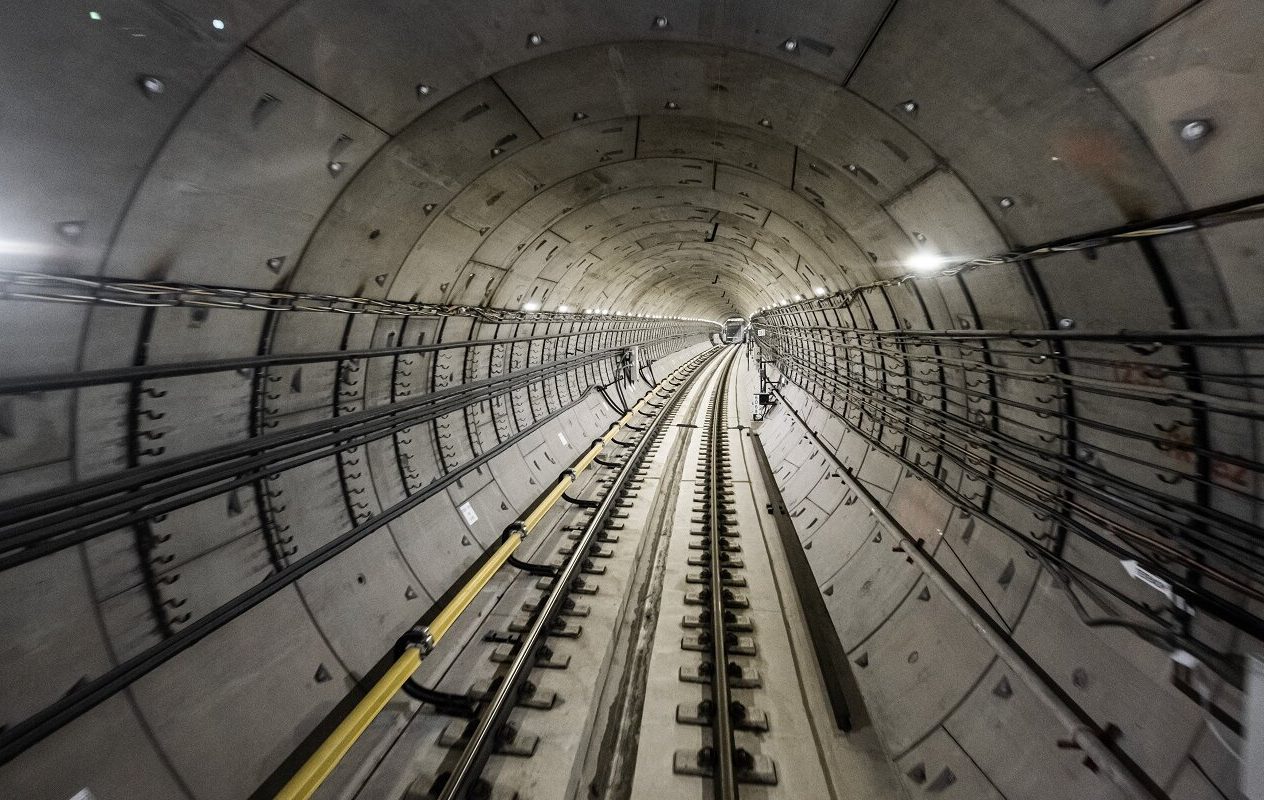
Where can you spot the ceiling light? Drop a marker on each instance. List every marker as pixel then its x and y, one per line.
pixel 217 24
pixel 563 309
pixel 531 306
pixel 925 261
pixel 151 85
pixel 819 291
pixel 1195 129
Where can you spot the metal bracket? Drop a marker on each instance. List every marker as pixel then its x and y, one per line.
pixel 758 769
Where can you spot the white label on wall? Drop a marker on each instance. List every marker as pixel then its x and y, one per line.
pixel 467 511
pixel 561 437
pixel 1147 577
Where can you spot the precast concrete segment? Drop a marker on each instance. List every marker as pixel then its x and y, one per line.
pixel 691 159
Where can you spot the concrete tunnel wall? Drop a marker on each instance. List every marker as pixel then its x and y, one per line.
pixel 585 155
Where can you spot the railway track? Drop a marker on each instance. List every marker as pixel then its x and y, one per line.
pixel 631 663
pixel 552 613
pixel 723 633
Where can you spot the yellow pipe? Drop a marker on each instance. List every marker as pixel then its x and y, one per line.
pixel 445 618
pixel 323 761
pixel 313 773
pixel 587 458
pixel 546 503
pixel 317 769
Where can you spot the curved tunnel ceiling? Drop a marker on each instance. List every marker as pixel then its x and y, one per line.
pixel 707 153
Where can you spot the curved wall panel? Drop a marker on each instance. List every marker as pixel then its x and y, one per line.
pixel 325 194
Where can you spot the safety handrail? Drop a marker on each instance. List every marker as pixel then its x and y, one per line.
pixel 423 639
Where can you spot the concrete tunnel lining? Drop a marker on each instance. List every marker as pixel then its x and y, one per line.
pixel 670 176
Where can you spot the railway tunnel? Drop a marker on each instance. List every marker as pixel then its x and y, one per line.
pixel 371 426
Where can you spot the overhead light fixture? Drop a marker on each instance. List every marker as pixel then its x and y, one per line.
pixel 819 291
pixel 531 306
pixel 925 261
pixel 1195 129
pixel 563 309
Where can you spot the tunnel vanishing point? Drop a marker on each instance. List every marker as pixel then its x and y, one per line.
pixel 838 399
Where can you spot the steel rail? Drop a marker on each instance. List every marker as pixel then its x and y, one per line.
pixel 484 736
pixel 724 781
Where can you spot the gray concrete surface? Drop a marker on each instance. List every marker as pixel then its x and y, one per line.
pixel 737 157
